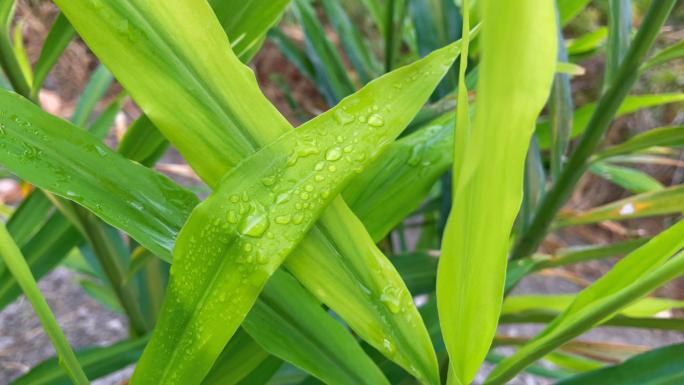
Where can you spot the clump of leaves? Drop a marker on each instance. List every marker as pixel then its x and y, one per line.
pixel 257 282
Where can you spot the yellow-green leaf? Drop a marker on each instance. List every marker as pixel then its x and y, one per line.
pixel 514 83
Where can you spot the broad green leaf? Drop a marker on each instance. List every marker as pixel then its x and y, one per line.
pixel 96 362
pixel 246 22
pixel 60 35
pixel 470 280
pixel 661 366
pixel 633 277
pixel 630 179
pixel 397 183
pixel 583 114
pixel 646 307
pixel 167 55
pixel 333 355
pixel 281 190
pixel 665 136
pixel 661 202
pixel 365 273
pixel 675 51
pixel 35 141
pixel 17 265
pixel 238 359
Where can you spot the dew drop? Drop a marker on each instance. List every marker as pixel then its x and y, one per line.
pixel 232 217
pixel 342 117
pixel 256 223
pixel 333 154
pixel 319 166
pixel 234 198
pixel 332 168
pixel 376 120
pixel 348 149
pixel 248 247
pixel 268 181
pixel 304 196
pixel 390 297
pixel 308 188
pixel 298 218
pixel 283 219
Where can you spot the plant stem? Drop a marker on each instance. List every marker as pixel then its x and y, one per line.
pixel 607 106
pixel 10 253
pixel 106 253
pixel 11 67
pixel 389 35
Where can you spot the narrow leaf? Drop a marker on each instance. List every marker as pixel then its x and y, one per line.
pixel 470 280
pixel 666 201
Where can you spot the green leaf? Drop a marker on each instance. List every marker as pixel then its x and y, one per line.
pixel 330 73
pixel 35 141
pixel 189 66
pixel 96 362
pixel 360 55
pixel 53 239
pixel 238 359
pixel 619 29
pixel 664 136
pixel 470 280
pixel 246 22
pixel 397 183
pixel 554 304
pixel 281 190
pixel 661 202
pixel 675 51
pixel 98 84
pixel 568 9
pixel 16 264
pixel 630 279
pixel 588 42
pixel 630 179
pixel 661 366
pixel 60 35
pixel 332 355
pixel 583 114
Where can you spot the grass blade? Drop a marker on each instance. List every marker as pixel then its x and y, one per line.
pixel 329 68
pixel 60 35
pixel 96 362
pixel 583 114
pixel 661 202
pixel 321 360
pixel 633 277
pixel 657 367
pixel 665 136
pixel 628 178
pixel 15 262
pixel 470 280
pixel 619 28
